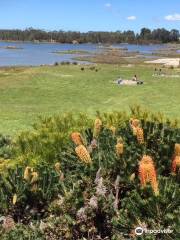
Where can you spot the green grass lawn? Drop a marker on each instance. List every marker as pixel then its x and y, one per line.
pixel 26 93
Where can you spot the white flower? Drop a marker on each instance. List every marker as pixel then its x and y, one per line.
pixel 101 189
pixel 81 214
pixel 43 226
pixel 93 202
pixel 94 143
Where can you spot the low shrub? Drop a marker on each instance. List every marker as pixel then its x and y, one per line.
pixel 74 177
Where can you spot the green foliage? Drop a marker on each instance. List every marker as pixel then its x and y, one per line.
pixel 102 200
pixel 5 147
pixel 49 137
pixel 32 197
pixel 141 208
pixel 22 232
pixel 146 35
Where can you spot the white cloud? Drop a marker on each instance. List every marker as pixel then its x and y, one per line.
pixel 108 5
pixel 131 18
pixel 173 17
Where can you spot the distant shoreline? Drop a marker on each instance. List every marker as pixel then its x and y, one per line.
pixel 103 44
pixel 20 41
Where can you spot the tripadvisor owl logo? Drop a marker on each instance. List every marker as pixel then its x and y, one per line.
pixel 139 231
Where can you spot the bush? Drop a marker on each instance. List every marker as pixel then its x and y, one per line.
pixel 151 212
pixel 22 232
pixel 101 182
pixel 5 147
pixel 26 195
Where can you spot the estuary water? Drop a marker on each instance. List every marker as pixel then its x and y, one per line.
pixel 34 54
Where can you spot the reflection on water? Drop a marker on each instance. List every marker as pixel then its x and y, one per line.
pixel 34 54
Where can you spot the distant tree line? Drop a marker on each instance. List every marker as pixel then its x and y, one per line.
pixel 146 35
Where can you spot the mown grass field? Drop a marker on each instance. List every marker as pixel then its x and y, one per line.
pixel 26 93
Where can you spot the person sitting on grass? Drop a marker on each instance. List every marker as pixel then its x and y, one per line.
pixel 134 78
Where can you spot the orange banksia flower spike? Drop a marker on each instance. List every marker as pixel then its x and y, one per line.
pixel 134 129
pixel 176 158
pixel 83 154
pixel 119 147
pixel 135 125
pixel 177 149
pixel 135 122
pixel 147 173
pixel 77 138
pixel 175 164
pixel 140 135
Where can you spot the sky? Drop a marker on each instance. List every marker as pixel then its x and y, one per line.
pixel 90 15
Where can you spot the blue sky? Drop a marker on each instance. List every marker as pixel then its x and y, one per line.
pixel 86 15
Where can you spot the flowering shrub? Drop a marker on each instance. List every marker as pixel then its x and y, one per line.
pixel 80 178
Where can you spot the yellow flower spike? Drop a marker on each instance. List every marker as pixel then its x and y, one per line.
pixel 14 199
pixel 97 123
pixel 77 138
pixel 113 129
pixel 34 187
pixel 132 177
pixel 57 167
pixel 134 129
pixel 27 173
pixel 35 177
pixel 97 127
pixel 119 149
pixel 83 154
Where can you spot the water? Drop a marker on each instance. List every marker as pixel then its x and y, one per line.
pixel 43 53
pixel 143 49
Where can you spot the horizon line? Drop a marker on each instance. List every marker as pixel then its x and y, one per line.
pixel 109 31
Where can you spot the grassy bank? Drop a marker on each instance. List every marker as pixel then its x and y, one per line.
pixel 26 93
